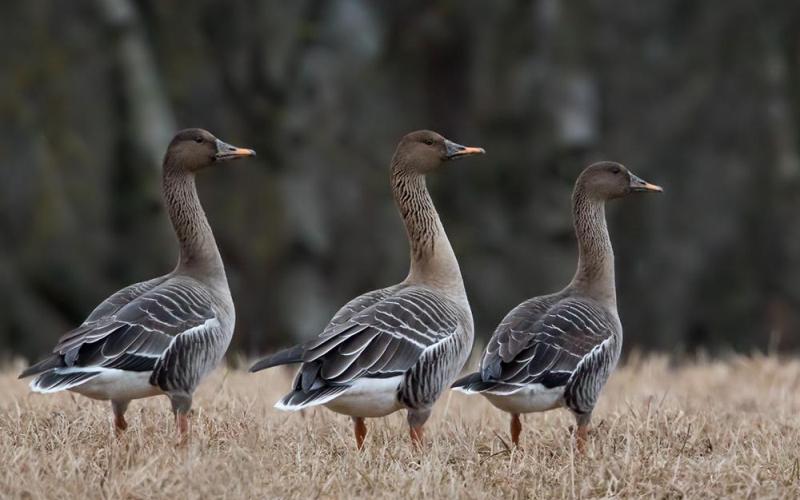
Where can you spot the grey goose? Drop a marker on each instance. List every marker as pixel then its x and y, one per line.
pixel 164 335
pixel 559 350
pixel 398 347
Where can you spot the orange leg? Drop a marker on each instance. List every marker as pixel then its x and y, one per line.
pixel 516 428
pixel 416 419
pixel 581 436
pixel 360 430
pixel 119 423
pixel 182 423
pixel 417 435
pixel 119 408
pixel 181 406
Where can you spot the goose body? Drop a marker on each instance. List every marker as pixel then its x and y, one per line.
pixel 164 335
pixel 131 346
pixel 399 352
pixel 367 397
pixel 111 383
pixel 558 350
pixel 549 352
pixel 398 347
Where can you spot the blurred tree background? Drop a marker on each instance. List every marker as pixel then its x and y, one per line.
pixel 700 97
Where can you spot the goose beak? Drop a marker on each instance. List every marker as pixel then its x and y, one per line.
pixel 454 151
pixel 640 186
pixel 227 152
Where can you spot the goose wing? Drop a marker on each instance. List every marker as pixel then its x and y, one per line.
pixel 120 299
pixel 544 341
pixel 136 334
pixel 358 304
pixel 382 340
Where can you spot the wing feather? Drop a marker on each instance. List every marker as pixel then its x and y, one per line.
pixel 135 334
pixel 379 340
pixel 543 340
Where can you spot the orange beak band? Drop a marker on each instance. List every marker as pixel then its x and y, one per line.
pixel 458 151
pixel 227 152
pixel 652 187
pixel 639 185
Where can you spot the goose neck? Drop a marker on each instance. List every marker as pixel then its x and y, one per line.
pixel 433 261
pixel 199 255
pixel 594 276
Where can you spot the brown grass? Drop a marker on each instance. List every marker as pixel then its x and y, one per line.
pixel 715 429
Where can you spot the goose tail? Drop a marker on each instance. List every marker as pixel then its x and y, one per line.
pixel 470 384
pixel 284 357
pixel 297 400
pixel 48 363
pixel 61 379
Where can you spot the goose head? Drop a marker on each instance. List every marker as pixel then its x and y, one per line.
pixel 424 151
pixel 194 149
pixel 608 180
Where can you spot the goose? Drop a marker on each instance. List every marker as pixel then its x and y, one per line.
pixel 558 350
pixel 160 336
pixel 398 347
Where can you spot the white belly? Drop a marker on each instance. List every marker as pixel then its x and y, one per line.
pixel 531 398
pixel 118 384
pixel 368 397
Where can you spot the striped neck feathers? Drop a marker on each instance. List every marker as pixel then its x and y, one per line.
pixel 595 274
pixel 199 255
pixel 433 261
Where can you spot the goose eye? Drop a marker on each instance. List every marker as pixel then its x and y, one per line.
pixel 198 140
pixel 429 142
pixel 615 170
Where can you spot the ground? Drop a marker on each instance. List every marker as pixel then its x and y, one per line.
pixel 707 429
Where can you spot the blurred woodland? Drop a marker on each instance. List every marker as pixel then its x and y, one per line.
pixel 702 98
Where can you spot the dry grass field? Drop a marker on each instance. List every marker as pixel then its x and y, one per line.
pixel 703 430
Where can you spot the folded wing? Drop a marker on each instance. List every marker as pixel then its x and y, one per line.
pixel 383 340
pixel 543 341
pixel 133 335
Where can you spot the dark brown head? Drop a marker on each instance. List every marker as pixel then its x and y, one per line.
pixel 607 180
pixel 193 149
pixel 424 151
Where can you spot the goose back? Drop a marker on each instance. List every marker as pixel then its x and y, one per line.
pixel 384 340
pixel 546 340
pixel 159 317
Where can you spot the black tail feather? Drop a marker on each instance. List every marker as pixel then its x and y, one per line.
pixel 467 380
pixel 58 380
pixel 473 383
pixel 284 357
pixel 53 361
pixel 297 400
